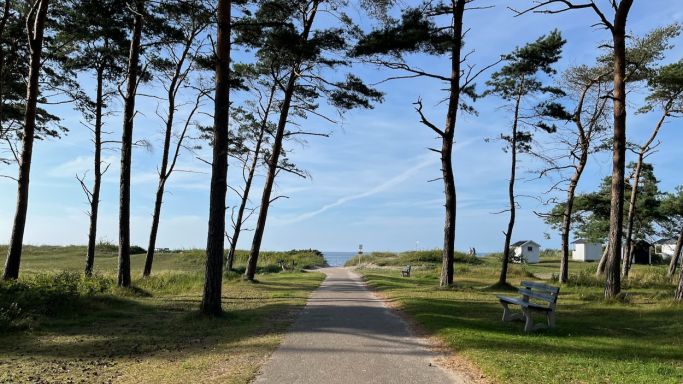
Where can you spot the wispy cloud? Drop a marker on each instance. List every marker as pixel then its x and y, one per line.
pixel 424 162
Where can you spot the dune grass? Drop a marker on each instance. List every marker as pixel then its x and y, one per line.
pixel 637 341
pixel 60 327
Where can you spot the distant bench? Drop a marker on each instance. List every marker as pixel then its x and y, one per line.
pixel 405 272
pixel 540 293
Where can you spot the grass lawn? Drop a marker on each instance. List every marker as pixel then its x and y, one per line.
pixel 640 341
pixel 93 332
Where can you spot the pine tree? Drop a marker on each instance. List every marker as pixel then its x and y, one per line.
pixel 516 82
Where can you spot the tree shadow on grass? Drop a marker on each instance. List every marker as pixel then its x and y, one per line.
pixel 608 332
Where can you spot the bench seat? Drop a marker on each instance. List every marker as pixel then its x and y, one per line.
pixel 522 303
pixel 538 292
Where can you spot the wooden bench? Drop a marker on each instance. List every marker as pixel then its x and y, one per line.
pixel 405 272
pixel 545 299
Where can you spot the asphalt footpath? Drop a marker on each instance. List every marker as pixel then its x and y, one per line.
pixel 345 334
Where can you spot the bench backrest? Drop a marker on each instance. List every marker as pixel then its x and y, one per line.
pixel 539 291
pixel 407 268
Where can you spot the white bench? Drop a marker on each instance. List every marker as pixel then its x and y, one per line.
pixel 545 299
pixel 405 272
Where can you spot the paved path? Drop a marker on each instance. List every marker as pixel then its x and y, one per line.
pixel 346 335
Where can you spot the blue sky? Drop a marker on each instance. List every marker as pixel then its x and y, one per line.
pixel 369 179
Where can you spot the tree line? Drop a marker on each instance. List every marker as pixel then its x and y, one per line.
pixel 298 62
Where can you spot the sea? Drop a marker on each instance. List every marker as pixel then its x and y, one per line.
pixel 337 259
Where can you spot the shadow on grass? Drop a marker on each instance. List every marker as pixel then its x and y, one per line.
pixel 602 331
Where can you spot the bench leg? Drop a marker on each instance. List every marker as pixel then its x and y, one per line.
pixel 529 326
pixel 507 313
pixel 551 319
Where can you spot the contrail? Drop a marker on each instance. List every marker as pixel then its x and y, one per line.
pixel 373 191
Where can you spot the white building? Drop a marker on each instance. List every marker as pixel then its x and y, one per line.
pixel 665 247
pixel 527 251
pixel 585 250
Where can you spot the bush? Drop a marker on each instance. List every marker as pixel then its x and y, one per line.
pixel 295 259
pixel 12 318
pixel 104 246
pixel 50 294
pixel 137 250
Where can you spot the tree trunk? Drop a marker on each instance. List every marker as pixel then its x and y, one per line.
pixel 37 27
pixel 502 279
pixel 247 187
pixel 164 172
pixel 567 219
pixel 644 149
pixel 3 24
pixel 97 175
pixel 127 147
pixel 149 258
pixel 676 256
pixel 613 280
pixel 213 279
pixel 274 158
pixel 603 262
pixel 679 291
pixel 626 262
pixel 584 144
pixel 270 179
pixel 447 138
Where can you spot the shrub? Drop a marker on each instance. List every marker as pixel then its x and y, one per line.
pixel 51 294
pixel 104 246
pixel 137 250
pixel 12 318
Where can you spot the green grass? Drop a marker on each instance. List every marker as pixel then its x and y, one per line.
pixel 427 258
pixel 45 258
pixel 65 328
pixel 595 342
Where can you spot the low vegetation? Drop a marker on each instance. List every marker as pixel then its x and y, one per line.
pixel 60 327
pixel 429 258
pixel 591 344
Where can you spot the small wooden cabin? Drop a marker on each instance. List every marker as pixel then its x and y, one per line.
pixel 586 250
pixel 526 251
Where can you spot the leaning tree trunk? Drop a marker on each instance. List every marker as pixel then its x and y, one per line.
pixel 603 262
pixel 679 291
pixel 584 144
pixel 502 279
pixel 149 258
pixel 613 280
pixel 127 148
pixel 247 186
pixel 274 157
pixel 164 172
pixel 448 256
pixel 3 24
pixel 270 178
pixel 567 218
pixel 97 176
pixel 213 278
pixel 32 91
pixel 676 256
pixel 644 149
pixel 626 262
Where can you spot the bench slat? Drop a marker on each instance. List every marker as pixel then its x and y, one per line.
pixel 540 286
pixel 522 303
pixel 539 296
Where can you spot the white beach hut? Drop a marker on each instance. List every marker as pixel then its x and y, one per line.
pixel 586 250
pixel 527 251
pixel 665 247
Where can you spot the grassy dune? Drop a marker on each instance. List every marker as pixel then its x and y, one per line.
pixel 57 327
